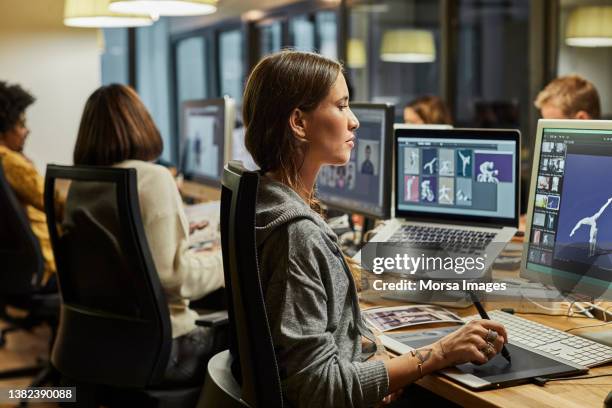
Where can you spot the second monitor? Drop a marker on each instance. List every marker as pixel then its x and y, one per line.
pixel 206 138
pixel 363 185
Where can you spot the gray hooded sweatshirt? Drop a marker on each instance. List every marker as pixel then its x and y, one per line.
pixel 312 306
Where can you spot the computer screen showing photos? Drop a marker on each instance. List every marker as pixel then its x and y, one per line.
pixel 571 221
pixel 456 173
pixel 206 138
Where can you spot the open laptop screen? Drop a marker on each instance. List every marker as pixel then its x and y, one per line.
pixel 461 174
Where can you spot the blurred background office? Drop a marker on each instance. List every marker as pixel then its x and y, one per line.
pixel 486 59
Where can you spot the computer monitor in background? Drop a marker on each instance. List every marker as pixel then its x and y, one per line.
pixel 568 240
pixel 206 138
pixel 363 185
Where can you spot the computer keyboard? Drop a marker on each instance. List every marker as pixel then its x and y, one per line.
pixel 556 342
pixel 442 238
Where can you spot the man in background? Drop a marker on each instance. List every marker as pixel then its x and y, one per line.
pixel 569 97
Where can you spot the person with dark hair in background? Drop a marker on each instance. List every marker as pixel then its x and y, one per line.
pixel 20 172
pixel 569 97
pixel 294 128
pixel 117 130
pixel 427 110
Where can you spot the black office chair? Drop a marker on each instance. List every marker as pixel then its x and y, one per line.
pixel 114 338
pixel 251 361
pixel 21 269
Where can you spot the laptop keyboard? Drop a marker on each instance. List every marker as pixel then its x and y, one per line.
pixel 443 238
pixel 568 346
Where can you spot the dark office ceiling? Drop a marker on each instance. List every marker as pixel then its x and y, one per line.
pixel 228 9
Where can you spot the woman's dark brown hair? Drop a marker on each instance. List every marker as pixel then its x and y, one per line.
pixel 116 126
pixel 278 84
pixel 431 110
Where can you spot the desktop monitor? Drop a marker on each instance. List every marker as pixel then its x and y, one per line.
pixel 206 139
pixel 568 239
pixel 363 185
pixel 458 175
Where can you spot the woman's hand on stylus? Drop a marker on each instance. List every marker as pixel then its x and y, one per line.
pixel 477 342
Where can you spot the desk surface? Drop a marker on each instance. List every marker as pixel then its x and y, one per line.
pixel 556 394
pixel 199 192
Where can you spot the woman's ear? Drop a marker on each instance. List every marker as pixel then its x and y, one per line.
pixel 297 124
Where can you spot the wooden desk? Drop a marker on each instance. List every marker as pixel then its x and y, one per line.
pixel 555 394
pixel 199 192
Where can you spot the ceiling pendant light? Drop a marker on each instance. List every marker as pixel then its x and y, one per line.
pixel 356 53
pixel 95 13
pixel 589 26
pixel 408 45
pixel 165 7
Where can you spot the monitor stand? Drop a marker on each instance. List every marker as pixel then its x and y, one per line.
pixel 350 248
pixel 368 224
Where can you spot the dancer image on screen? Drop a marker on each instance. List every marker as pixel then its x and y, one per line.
pixel 592 223
pixel 430 164
pixel 409 189
pixel 426 192
pixel 465 161
pixel 413 158
pixel 443 194
pixel 487 173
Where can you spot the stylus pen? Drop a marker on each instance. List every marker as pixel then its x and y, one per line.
pixel 483 313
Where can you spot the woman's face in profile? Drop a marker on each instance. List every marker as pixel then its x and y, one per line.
pixel 410 116
pixel 330 127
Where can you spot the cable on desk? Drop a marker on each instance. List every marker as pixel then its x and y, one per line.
pixel 542 380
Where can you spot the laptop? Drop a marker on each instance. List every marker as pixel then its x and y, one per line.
pixel 456 191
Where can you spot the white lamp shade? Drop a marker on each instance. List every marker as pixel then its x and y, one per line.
pixel 407 45
pixel 95 13
pixel 356 53
pixel 165 7
pixel 589 27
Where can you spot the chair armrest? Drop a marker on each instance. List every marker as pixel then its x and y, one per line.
pixel 214 319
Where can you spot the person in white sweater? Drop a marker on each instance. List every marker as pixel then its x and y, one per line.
pixel 117 130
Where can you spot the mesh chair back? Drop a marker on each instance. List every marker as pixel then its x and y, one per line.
pixel 21 262
pixel 251 341
pixel 114 327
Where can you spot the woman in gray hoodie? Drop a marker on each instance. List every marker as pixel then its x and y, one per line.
pixel 297 119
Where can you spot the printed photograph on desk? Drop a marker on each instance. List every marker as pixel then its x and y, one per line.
pixel 390 318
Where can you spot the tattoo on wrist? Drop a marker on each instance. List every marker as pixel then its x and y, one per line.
pixel 423 354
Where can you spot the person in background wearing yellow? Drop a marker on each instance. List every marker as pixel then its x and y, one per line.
pixel 427 110
pixel 569 97
pixel 20 172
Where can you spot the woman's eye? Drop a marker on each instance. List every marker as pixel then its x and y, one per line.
pixel 343 107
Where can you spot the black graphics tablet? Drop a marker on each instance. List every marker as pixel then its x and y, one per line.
pixel 526 363
pixel 498 372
